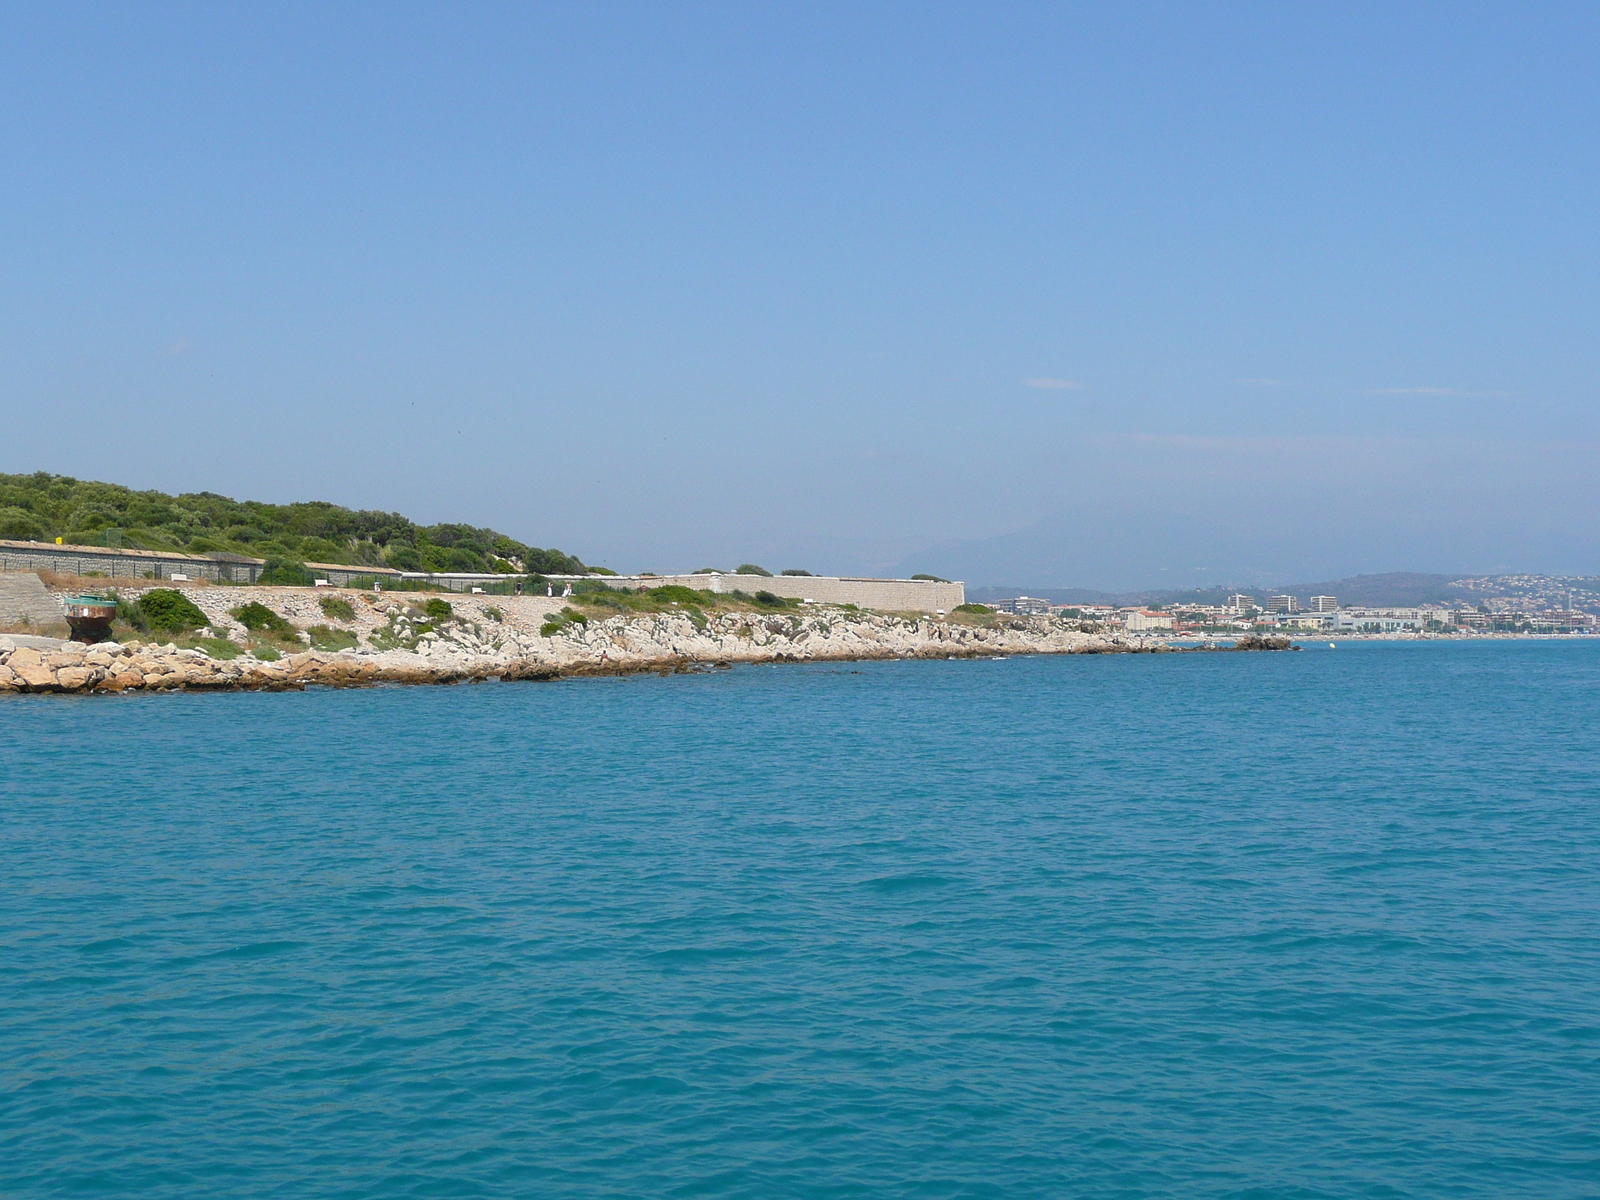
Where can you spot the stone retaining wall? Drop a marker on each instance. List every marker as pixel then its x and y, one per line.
pixel 159 564
pixel 884 595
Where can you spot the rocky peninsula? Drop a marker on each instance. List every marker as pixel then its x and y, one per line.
pixel 395 638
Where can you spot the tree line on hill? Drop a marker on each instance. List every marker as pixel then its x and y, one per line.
pixel 43 507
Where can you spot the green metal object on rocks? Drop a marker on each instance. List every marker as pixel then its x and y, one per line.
pixel 90 618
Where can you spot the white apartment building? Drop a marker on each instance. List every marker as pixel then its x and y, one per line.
pixel 1139 621
pixel 1306 621
pixel 1324 604
pixel 1381 620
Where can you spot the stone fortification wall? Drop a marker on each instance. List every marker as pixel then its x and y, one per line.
pixel 159 564
pixel 23 597
pixel 884 595
pixel 116 564
pixel 888 595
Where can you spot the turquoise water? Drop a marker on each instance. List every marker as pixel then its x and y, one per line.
pixel 1232 925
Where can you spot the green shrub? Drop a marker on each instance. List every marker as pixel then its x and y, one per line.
pixel 794 571
pixel 551 562
pixel 325 637
pixel 975 609
pixel 258 618
pixel 931 578
pixel 601 571
pixel 438 610
pixel 561 620
pixel 397 634
pixel 285 572
pixel 216 647
pixel 338 608
pixel 167 611
pixel 128 610
pixel 752 569
pixel 599 595
pixel 403 557
pixel 494 614
pixel 20 525
pixel 769 600
pixel 676 593
pixel 706 571
pixel 322 550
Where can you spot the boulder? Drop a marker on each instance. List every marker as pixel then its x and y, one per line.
pixel 77 678
pixel 36 675
pixel 1258 641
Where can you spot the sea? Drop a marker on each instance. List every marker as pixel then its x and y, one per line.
pixel 1308 924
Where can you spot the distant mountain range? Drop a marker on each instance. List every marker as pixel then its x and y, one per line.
pixel 1394 589
pixel 1133 545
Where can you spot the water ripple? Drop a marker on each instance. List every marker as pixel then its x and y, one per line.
pixel 1320 925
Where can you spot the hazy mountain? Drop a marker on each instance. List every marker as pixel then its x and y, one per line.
pixel 1128 547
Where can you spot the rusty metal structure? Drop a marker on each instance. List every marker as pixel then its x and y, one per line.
pixel 90 618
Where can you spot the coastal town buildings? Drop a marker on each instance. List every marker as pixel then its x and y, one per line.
pixel 1024 605
pixel 1141 620
pixel 1203 619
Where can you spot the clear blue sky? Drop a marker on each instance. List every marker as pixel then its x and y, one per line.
pixel 1301 290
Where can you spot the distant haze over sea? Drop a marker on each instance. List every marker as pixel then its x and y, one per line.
pixel 1119 547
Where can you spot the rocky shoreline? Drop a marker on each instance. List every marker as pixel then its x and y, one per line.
pixel 514 638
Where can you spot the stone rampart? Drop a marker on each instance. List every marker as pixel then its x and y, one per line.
pixel 24 598
pixel 160 564
pixel 884 595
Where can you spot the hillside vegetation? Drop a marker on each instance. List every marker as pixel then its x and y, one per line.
pixel 43 507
